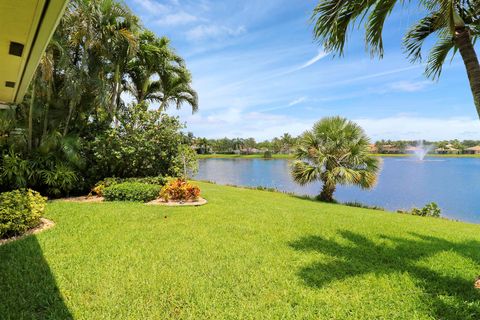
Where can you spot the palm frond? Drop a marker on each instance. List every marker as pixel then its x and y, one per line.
pixel 415 37
pixel 437 57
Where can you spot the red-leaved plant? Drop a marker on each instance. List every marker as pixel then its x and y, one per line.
pixel 179 190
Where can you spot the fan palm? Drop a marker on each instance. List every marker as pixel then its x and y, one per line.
pixel 455 24
pixel 335 152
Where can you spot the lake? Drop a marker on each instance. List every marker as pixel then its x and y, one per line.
pixel 453 183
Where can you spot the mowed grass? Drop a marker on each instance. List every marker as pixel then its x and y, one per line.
pixel 243 156
pixel 246 255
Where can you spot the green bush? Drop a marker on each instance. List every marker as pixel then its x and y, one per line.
pixel 361 205
pixel 267 155
pixel 20 210
pixel 132 191
pixel 430 210
pixel 108 182
pixel 158 180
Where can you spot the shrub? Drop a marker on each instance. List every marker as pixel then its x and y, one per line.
pixel 430 210
pixel 267 155
pixel 180 189
pixel 107 182
pixel 20 210
pixel 131 191
pixel 361 205
pixel 158 180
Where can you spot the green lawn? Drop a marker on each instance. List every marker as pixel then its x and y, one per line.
pixel 242 156
pixel 246 255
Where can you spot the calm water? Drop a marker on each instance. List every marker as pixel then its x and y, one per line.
pixel 453 183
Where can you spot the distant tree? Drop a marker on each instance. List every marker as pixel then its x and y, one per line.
pixel 458 145
pixel 277 145
pixel 249 144
pixel 202 145
pixel 287 142
pixel 401 145
pixel 237 144
pixel 335 152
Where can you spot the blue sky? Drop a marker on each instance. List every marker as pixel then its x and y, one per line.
pixel 259 74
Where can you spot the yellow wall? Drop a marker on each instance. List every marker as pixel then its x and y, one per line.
pixel 20 20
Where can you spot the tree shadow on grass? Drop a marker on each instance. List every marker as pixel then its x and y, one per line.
pixel 451 296
pixel 28 289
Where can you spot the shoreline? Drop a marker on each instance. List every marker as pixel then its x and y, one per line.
pixel 290 156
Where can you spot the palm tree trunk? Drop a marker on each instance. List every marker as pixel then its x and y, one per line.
pixel 116 84
pixel 45 118
pixel 327 193
pixel 464 44
pixel 163 105
pixel 69 117
pixel 30 118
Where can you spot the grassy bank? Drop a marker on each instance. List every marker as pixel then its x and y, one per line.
pixel 289 156
pixel 242 156
pixel 247 254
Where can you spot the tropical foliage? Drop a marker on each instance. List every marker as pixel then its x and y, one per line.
pixel 335 152
pixel 20 210
pixel 74 127
pixel 454 23
pixel 179 190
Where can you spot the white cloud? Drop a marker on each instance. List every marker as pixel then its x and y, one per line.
pixel 409 86
pixel 297 101
pixel 236 123
pixel 176 19
pixel 152 7
pixel 202 32
pixel 412 128
pixel 314 60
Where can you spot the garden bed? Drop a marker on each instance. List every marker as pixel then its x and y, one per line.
pixel 84 199
pixel 44 225
pixel 160 202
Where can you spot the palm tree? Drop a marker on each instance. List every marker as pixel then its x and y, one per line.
pixel 455 24
pixel 335 152
pixel 287 141
pixel 176 89
pixel 152 58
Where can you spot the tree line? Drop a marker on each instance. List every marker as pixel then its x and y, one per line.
pixel 286 143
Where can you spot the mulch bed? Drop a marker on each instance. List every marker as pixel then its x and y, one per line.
pixel 84 199
pixel 44 225
pixel 160 202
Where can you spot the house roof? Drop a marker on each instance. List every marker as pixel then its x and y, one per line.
pixel 476 148
pixel 446 149
pixel 25 30
pixel 412 148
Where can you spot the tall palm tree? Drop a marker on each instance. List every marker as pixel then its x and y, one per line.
pixel 154 57
pixel 455 24
pixel 176 89
pixel 335 152
pixel 158 74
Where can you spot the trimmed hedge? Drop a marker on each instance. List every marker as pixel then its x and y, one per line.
pixel 20 210
pixel 132 191
pixel 108 182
